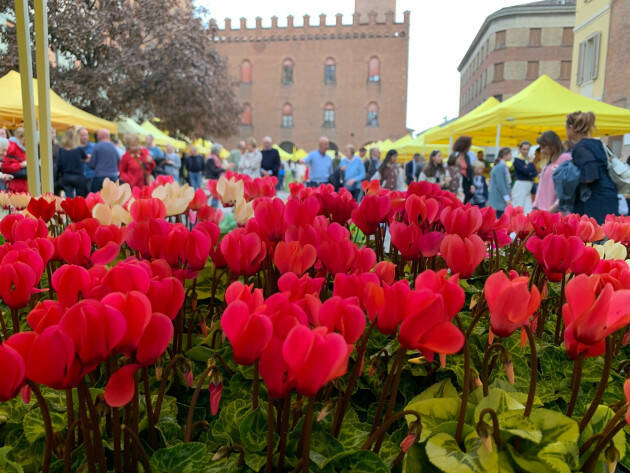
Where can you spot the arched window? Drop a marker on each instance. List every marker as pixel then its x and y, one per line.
pixel 287 72
pixel 374 70
pixel 330 71
pixel 246 116
pixel 287 116
pixel 246 72
pixel 329 116
pixel 372 114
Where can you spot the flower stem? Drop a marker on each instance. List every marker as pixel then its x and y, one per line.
pixel 116 432
pixel 381 402
pixel 87 440
pixel 15 320
pixel 603 382
pixel 69 446
pixel 386 425
pixel 306 435
pixel 99 451
pixel 575 383
pixel 270 423
pixel 533 372
pixel 193 403
pixel 465 387
pixel 256 388
pixel 342 405
pixel 496 434
pixel 139 448
pixel 43 407
pixel 152 434
pixel 284 427
pixel 558 332
pixel 485 372
pixel 162 389
pixel 398 366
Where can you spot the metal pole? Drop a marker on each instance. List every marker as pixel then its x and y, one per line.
pixel 28 103
pixel 498 140
pixel 43 95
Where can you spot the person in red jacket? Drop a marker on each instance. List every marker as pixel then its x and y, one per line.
pixel 136 164
pixel 14 162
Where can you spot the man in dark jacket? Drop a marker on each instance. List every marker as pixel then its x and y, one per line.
pixel 195 167
pixel 270 165
pixel 412 169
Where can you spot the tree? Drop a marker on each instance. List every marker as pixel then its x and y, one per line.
pixel 143 58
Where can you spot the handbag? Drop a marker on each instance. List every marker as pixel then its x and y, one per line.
pixel 618 171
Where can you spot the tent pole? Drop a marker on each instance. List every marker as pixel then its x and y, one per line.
pixel 28 102
pixel 43 95
pixel 498 140
pixel 450 144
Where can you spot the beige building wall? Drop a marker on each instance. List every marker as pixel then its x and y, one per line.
pixel 591 18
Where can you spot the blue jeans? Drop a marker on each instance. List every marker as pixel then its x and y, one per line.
pixel 195 179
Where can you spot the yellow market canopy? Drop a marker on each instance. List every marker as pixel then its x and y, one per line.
pixel 444 133
pixel 541 106
pixel 62 114
pixel 420 145
pixel 161 138
pixel 128 126
pixel 203 146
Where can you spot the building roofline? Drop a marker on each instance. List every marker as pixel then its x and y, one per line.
pixel 527 9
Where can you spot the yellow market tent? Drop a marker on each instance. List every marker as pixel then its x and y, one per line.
pixel 423 147
pixel 448 132
pixel 202 146
pixel 161 138
pixel 541 106
pixel 128 126
pixel 62 114
pixel 283 154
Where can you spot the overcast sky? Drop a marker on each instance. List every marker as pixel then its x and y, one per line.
pixel 441 31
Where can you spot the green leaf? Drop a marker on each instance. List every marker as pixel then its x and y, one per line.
pixel 255 461
pixel 33 424
pixel 561 456
pixel 416 460
pixel 433 412
pixel 199 353
pixel 183 458
pixel 514 423
pixel 602 416
pixel 324 447
pixel 444 388
pixel 226 427
pixel 499 401
pixel 555 427
pixel 253 429
pixel 172 432
pixel 444 452
pixel 362 461
pixel 7 466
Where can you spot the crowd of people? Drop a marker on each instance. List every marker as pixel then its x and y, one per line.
pixel 570 176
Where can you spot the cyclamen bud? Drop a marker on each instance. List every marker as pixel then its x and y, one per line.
pixel 612 457
pixel 189 378
pixel 158 372
pixel 483 430
pixel 508 366
pixel 407 442
pixel 222 452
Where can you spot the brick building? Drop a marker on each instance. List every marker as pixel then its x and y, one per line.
pixel 297 83
pixel 514 46
pixel 617 84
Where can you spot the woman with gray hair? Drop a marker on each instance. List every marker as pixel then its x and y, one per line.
pixel 172 162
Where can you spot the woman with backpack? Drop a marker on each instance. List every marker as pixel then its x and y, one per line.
pixel 597 193
pixel 552 151
pixel 500 194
